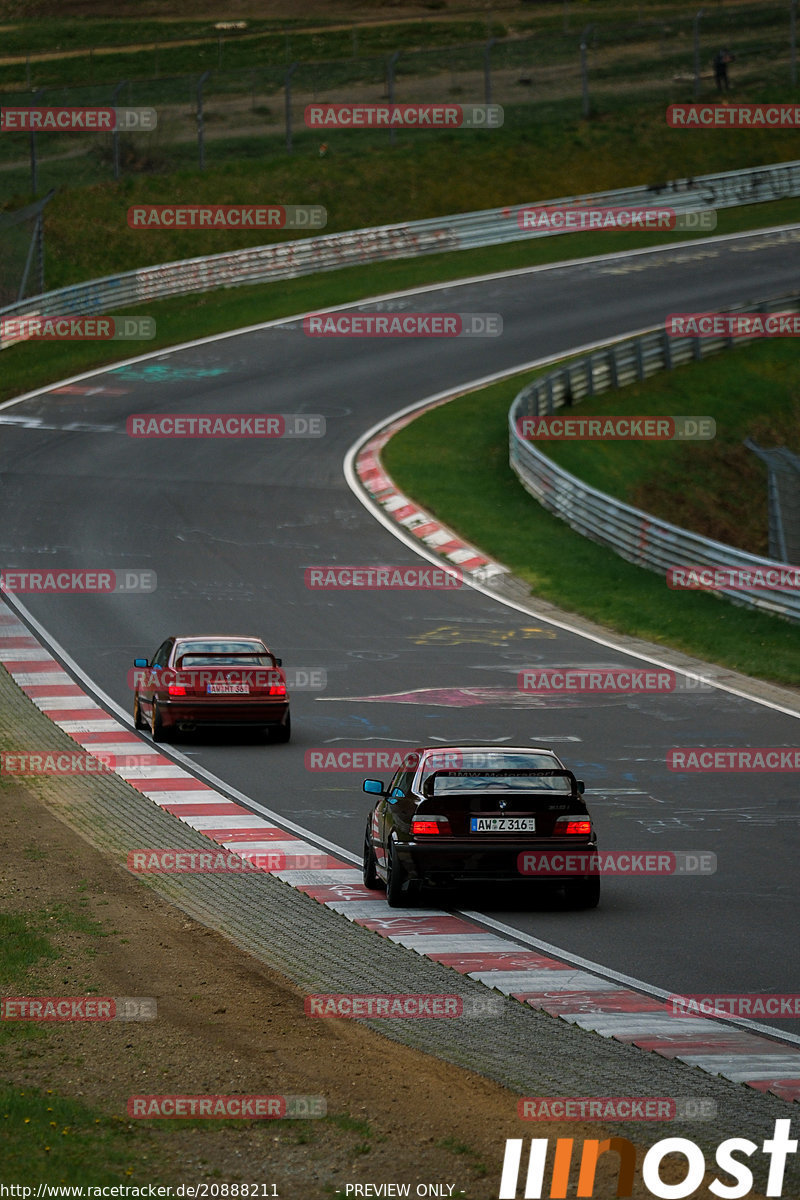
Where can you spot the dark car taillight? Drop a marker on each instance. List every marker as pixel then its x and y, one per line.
pixel 572 827
pixel 427 826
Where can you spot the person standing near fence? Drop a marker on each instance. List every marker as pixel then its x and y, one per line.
pixel 721 60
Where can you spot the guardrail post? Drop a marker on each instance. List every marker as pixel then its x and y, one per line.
pixel 639 354
pixel 589 364
pixel 549 394
pixel 287 103
pixel 115 134
pixel 612 367
pixel 666 345
pixel 201 146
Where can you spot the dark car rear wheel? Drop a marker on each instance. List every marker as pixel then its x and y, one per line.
pixel 282 733
pixel 138 722
pixel 369 871
pixel 583 893
pixel 400 891
pixel 156 724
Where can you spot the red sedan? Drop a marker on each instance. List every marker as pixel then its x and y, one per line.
pixel 211 680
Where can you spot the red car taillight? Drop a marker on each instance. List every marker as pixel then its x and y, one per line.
pixel 175 690
pixel 430 825
pixel 278 689
pixel 572 827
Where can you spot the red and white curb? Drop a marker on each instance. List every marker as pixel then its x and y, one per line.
pixel 594 1003
pixel 404 512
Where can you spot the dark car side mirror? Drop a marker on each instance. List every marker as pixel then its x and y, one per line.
pixel 581 786
pixel 140 662
pixel 374 787
pixel 278 662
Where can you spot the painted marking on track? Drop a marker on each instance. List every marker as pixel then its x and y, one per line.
pixel 459 635
pixel 166 372
pixel 474 697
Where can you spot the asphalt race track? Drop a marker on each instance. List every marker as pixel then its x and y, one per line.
pixel 230 525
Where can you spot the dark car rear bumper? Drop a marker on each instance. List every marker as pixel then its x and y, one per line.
pixel 201 712
pixel 491 861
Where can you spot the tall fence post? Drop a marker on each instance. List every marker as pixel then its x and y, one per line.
pixel 32 142
pixel 287 103
pixel 487 70
pixel 390 65
pixel 115 134
pixel 696 83
pixel 586 107
pixel 201 142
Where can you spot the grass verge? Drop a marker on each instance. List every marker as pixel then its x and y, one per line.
pixel 716 488
pixel 453 461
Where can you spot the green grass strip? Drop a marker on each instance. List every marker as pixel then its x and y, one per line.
pixel 453 461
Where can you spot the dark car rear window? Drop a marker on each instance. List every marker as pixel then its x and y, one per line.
pixel 488 761
pixel 449 784
pixel 210 654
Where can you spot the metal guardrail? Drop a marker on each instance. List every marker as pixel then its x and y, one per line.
pixel 462 231
pixel 635 535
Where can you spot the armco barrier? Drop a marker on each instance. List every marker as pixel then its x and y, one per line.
pixel 463 231
pixel 635 535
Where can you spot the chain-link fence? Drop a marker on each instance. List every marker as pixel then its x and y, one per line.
pixel 783 501
pixel 22 252
pixel 249 101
